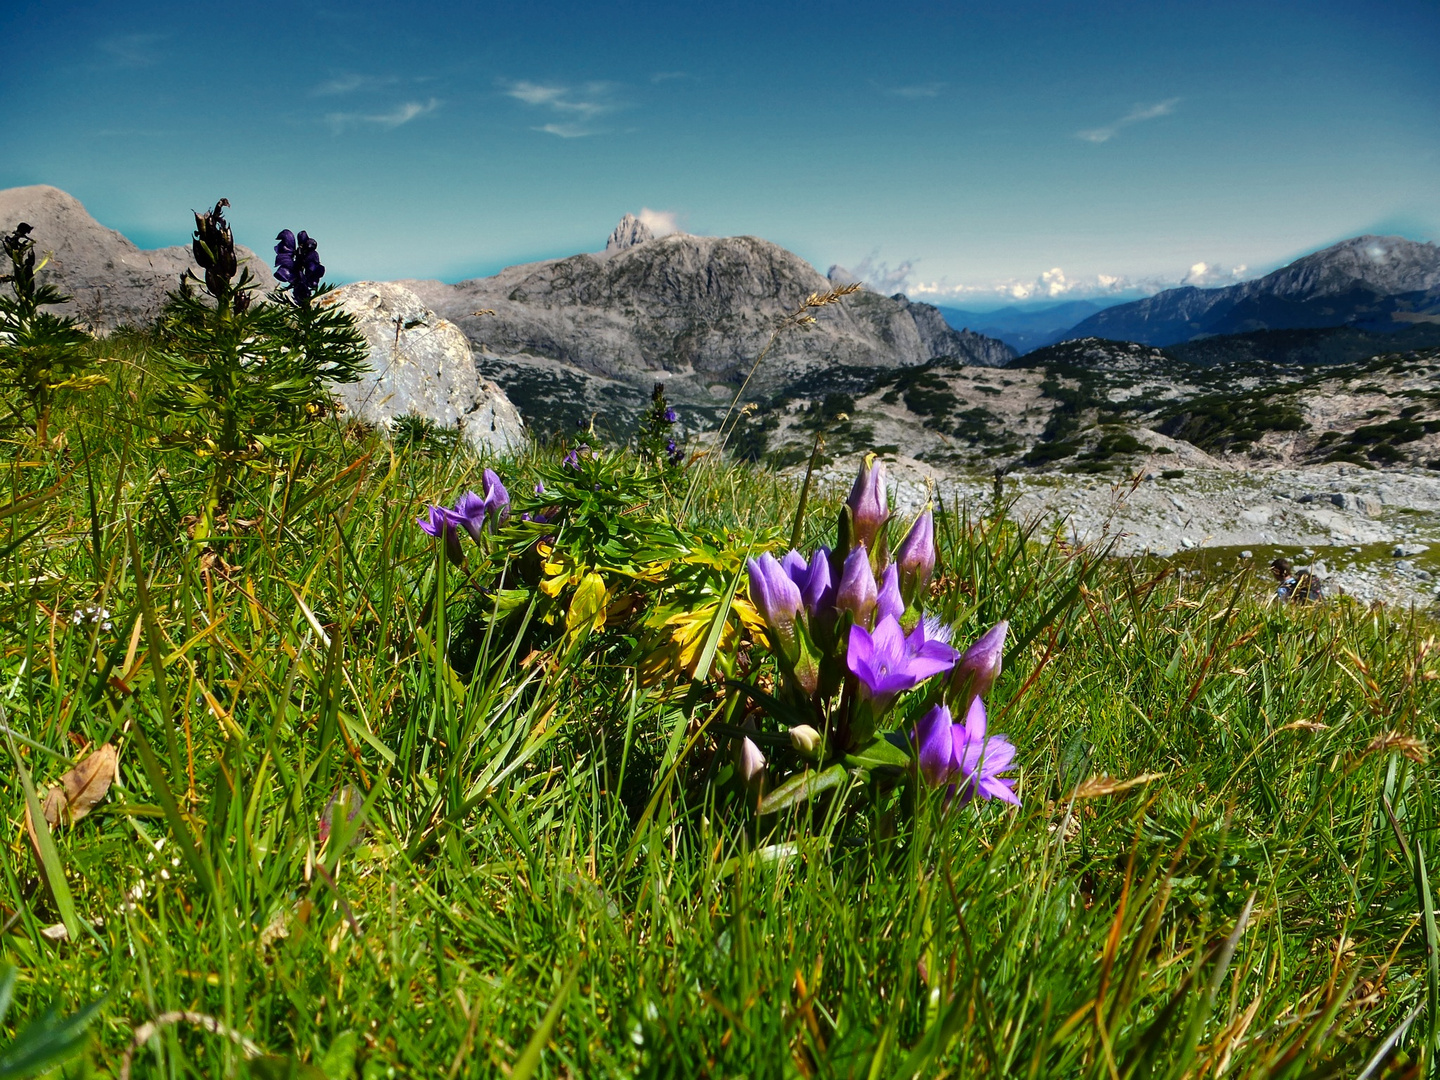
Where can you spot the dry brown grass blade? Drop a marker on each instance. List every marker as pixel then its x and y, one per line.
pixel 1407 745
pixel 1097 786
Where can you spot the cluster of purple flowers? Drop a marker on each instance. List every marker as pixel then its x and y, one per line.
pixel 297 263
pixel 471 512
pixel 854 618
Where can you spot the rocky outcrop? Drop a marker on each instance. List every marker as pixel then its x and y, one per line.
pixel 421 364
pixel 628 233
pixel 693 312
pixel 112 282
pixel 1382 283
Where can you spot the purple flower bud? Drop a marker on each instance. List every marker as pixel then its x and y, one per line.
pixel 777 598
pixel 916 556
pixel 867 501
pixel 857 592
pixel 889 601
pixel 816 590
pixel 935 746
pixel 497 499
pixel 979 667
pixel 539 487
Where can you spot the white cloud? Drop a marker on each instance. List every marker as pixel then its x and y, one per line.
pixel 1205 275
pixel 579 105
pixel 916 90
pixel 660 222
pixel 1055 284
pixel 1134 116
pixel 876 275
pixel 566 131
pixel 401 114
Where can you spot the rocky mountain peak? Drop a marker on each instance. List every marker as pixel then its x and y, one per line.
pixel 630 232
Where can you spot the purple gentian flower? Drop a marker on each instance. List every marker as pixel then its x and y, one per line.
pixel 469 513
pixel 979 667
pixel 857 592
pixel 916 556
pixel 867 501
pixel 962 755
pixel 539 487
pixel 982 759
pixel 777 598
pixel 888 662
pixel 571 460
pixel 497 499
pixel 816 589
pixel 889 601
pixel 439 523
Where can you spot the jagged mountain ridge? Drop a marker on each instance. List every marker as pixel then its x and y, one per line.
pixel 112 281
pixel 1381 283
pixel 690 311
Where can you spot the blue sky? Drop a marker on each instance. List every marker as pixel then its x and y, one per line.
pixel 969 154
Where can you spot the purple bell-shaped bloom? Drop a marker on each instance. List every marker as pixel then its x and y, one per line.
pixel 469 513
pixel 857 592
pixel 867 502
pixel 438 522
pixel 981 759
pixel 816 590
pixel 979 667
pixel 497 499
pixel 916 556
pixel 889 601
pixel 887 662
pixel 777 598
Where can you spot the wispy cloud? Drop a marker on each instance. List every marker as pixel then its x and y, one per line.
pixel 350 82
pixel 132 50
pixel 580 105
pixel 915 91
pixel 1134 116
pixel 393 118
pixel 669 76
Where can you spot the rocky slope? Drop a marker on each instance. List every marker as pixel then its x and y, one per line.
pixel 1383 283
pixel 112 281
pixel 591 333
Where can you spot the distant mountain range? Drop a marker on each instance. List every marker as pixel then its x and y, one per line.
pixel 1026 328
pixel 1375 283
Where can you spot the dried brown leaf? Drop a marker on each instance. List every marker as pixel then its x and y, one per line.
pixel 79 791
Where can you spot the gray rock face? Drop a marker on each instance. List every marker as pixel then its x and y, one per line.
pixel 628 233
pixel 693 312
pixel 113 282
pixel 421 364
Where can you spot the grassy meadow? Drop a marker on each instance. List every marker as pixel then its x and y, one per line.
pixel 376 815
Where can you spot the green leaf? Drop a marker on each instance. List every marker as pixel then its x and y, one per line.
pixel 802 788
pixel 879 752
pixel 47 1039
pixel 45 846
pixel 529 1059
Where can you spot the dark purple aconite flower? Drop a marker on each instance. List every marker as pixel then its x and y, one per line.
pixel 674 452
pixel 297 262
pixel 440 523
pixel 963 756
pixel 888 662
pixel 671 416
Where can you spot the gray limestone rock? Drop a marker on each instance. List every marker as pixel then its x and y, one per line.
pixel 421 364
pixel 112 281
pixel 1368 505
pixel 628 233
